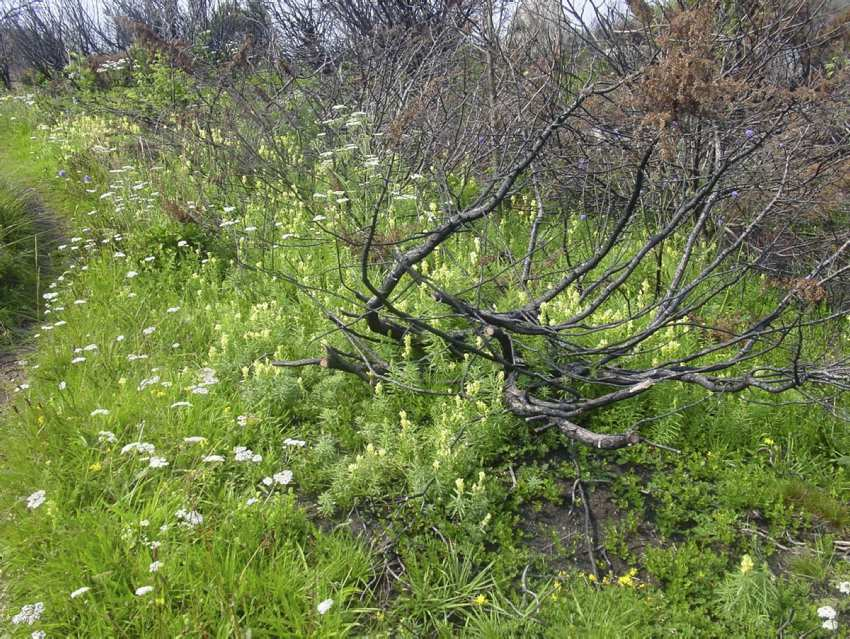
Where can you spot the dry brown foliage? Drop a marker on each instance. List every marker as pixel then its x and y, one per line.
pixel 176 52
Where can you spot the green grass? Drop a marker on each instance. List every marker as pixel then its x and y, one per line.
pixel 418 515
pixel 25 241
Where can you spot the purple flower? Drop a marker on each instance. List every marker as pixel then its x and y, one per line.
pixel 582 217
pixel 87 179
pixel 734 195
pixel 583 163
pixel 62 173
pixel 749 133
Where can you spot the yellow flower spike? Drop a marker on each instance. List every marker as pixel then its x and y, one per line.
pixel 480 600
pixel 746 564
pixel 95 467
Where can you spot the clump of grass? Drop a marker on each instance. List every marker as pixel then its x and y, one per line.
pixel 816 502
pixel 24 250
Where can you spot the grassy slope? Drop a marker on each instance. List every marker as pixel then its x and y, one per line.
pixel 265 566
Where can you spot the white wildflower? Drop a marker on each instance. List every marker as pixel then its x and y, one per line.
pixel 324 606
pixel 99 411
pixel 144 448
pixel 155 566
pixel 195 439
pixel 298 443
pixel 213 459
pixel 29 614
pixel 141 591
pixel 78 360
pixel 131 274
pixel 207 376
pixel 106 437
pixel 157 462
pixel 844 587
pixel 36 499
pixel 830 624
pixel 79 592
pixel 827 612
pixel 283 478
pixel 149 330
pixel 251 501
pixel 189 518
pixel 181 404
pixel 172 309
pixel 243 454
pixel 150 381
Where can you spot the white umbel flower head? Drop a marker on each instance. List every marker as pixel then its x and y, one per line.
pixel 144 448
pixel 141 591
pixel 157 462
pixel 79 592
pixel 29 614
pixel 827 612
pixel 189 518
pixel 283 478
pixel 324 606
pixel 36 499
pixel 844 587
